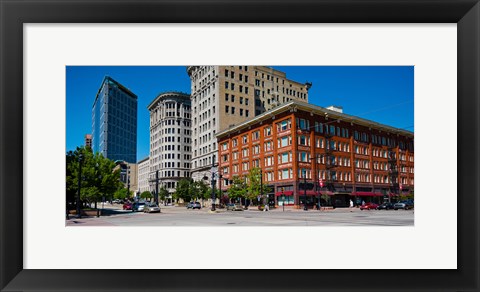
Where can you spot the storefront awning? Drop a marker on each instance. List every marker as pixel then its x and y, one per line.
pixel 366 194
pixel 286 193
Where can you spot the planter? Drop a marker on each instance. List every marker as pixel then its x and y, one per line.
pixel 89 213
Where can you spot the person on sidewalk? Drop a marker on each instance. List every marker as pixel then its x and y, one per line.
pixel 351 203
pixel 265 208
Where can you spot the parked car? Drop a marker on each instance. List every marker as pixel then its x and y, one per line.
pixel 369 206
pixel 127 206
pixel 138 207
pixel 406 205
pixel 385 206
pixel 151 208
pixel 234 207
pixel 194 205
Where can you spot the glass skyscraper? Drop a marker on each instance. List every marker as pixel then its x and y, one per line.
pixel 114 122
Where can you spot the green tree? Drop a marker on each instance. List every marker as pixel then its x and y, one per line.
pixel 184 190
pixel 146 195
pixel 202 190
pixel 255 186
pixel 238 188
pixel 122 194
pixel 163 193
pixel 98 179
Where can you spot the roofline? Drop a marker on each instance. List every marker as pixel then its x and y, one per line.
pixel 105 78
pixel 140 161
pixel 314 109
pixel 169 93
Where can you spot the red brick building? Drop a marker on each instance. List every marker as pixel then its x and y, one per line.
pixel 306 149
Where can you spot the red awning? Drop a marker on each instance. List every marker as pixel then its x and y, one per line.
pixel 286 193
pixel 366 194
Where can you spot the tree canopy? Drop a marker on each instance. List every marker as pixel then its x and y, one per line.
pixel 98 179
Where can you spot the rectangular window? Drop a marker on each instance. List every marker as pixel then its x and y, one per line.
pixel 268 161
pixel 285 157
pixel 246 113
pixel 303 124
pixel 255 135
pixel 268 146
pixel 226 109
pixel 283 125
pixel 225 146
pixel 233 110
pixel 268 131
pixel 284 141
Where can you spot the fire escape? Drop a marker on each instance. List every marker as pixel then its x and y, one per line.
pixel 330 163
pixel 393 170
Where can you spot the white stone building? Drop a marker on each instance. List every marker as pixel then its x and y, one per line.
pixel 143 175
pixel 170 140
pixel 224 96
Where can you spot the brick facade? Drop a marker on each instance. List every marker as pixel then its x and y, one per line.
pixel 352 158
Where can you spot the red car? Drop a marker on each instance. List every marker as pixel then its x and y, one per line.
pixel 369 206
pixel 127 206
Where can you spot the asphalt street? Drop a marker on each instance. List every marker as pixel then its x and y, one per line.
pixel 180 216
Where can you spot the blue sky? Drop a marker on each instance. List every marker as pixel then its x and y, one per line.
pixel 384 94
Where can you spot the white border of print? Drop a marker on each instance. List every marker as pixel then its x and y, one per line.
pixel 431 244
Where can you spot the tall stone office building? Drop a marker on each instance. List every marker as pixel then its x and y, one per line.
pixel 223 96
pixel 114 122
pixel 170 140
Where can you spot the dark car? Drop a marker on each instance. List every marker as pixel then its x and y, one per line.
pixel 385 206
pixel 194 205
pixel 369 206
pixel 127 206
pixel 405 205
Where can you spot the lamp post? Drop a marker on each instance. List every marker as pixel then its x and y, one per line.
pixel 319 194
pixel 80 159
pixel 305 208
pixel 283 199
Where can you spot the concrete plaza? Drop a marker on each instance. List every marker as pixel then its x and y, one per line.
pixel 180 216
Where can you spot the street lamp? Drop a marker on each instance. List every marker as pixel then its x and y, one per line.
pixel 283 199
pixel 80 159
pixel 305 208
pixel 213 181
pixel 320 193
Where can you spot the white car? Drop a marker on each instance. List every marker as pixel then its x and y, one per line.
pixel 139 207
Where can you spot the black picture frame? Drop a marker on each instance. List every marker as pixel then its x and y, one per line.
pixel 466 13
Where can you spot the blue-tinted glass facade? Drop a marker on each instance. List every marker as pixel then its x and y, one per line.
pixel 114 122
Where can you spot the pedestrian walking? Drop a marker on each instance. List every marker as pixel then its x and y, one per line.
pixel 351 203
pixel 265 208
pixel 363 203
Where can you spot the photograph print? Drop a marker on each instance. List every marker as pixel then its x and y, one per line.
pixel 239 146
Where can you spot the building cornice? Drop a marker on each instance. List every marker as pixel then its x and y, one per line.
pixel 294 106
pixel 185 97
